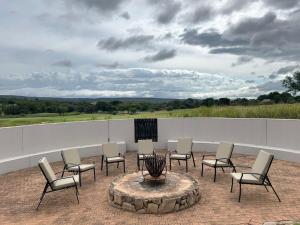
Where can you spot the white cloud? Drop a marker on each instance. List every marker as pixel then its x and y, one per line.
pixel 66 34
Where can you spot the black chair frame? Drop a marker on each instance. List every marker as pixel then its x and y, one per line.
pixel 187 157
pixel 264 180
pixel 67 167
pixel 106 163
pixel 229 164
pixel 49 184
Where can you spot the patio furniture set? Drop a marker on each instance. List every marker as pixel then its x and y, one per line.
pixel 111 154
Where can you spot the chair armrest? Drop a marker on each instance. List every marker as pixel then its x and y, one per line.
pixel 122 155
pixel 251 174
pixel 208 154
pixel 62 179
pixel 73 165
pixel 243 166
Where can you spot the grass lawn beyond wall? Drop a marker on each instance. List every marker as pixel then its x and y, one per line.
pixel 278 111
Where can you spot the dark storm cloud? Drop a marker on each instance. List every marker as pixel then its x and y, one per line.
pixel 201 14
pixel 242 60
pixel 283 70
pixel 166 10
pixel 282 4
pixel 63 63
pixel 161 55
pixel 271 86
pixel 210 39
pixel 100 5
pixel 137 42
pixel 125 15
pixel 265 37
pixel 235 5
pixel 113 65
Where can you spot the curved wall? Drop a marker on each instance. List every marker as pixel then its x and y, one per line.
pixel 22 146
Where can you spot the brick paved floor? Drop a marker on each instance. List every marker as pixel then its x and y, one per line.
pixel 20 191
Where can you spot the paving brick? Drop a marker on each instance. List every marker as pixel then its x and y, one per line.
pixel 20 192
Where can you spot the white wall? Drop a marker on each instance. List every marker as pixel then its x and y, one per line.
pixel 22 146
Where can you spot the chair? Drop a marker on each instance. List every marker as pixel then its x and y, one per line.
pixel 183 152
pixel 73 163
pixel 145 148
pixel 111 154
pixel 222 158
pixel 55 183
pixel 258 174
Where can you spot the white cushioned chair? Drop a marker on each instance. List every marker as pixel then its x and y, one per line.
pixel 145 148
pixel 258 174
pixel 55 183
pixel 72 163
pixel 222 158
pixel 183 152
pixel 111 154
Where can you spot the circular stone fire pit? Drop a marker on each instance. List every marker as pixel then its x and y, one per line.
pixel 130 192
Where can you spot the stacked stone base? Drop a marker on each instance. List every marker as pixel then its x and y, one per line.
pixel 154 200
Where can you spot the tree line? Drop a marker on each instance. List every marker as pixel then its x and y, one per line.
pixel 10 105
pixel 17 106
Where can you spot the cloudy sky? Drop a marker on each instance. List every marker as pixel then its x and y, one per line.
pixel 147 48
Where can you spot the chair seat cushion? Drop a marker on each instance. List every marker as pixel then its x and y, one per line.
pixel 115 159
pixel 65 182
pixel 83 167
pixel 212 162
pixel 143 156
pixel 179 156
pixel 247 178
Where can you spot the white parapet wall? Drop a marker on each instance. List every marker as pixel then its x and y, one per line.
pixel 22 146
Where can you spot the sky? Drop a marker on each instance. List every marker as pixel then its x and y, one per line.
pixel 147 48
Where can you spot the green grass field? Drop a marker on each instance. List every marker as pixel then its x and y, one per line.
pixel 280 111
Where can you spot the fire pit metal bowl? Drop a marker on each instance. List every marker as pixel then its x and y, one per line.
pixel 155 164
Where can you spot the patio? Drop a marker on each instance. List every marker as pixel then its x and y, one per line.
pixel 20 191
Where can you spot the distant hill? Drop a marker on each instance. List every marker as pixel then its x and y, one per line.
pixel 125 99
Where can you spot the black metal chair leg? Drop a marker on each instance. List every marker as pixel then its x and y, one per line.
pixel 223 169
pixel 102 159
pixel 193 159
pixel 170 163
pixel 118 165
pixel 186 166
pixel 94 174
pixel 138 161
pixel 233 169
pixel 178 162
pixel 76 192
pixel 106 168
pixel 201 169
pixel 273 188
pixel 124 165
pixel 43 194
pixel 231 185
pixel 266 188
pixel 79 178
pixel 63 172
pixel 215 175
pixel 240 192
pixel 275 193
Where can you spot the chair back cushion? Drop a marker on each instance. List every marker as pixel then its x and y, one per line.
pixel 224 150
pixel 184 145
pixel 71 156
pixel 47 170
pixel 262 163
pixel 145 147
pixel 110 150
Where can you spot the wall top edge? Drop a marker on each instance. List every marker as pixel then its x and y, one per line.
pixel 131 119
